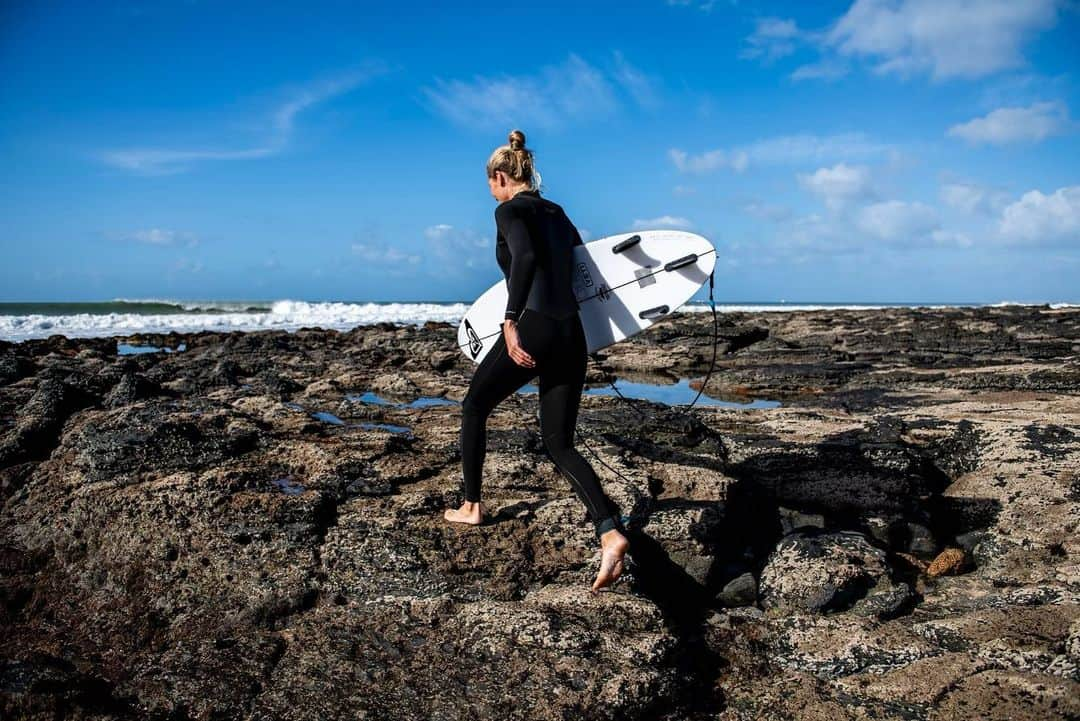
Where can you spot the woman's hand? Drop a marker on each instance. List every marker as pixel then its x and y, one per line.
pixel 513 346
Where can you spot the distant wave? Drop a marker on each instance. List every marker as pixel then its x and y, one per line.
pixel 128 317
pixel 196 306
pixel 123 316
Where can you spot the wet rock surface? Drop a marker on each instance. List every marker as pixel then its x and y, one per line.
pixel 251 528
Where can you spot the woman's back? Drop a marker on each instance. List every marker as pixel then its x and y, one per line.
pixel 551 238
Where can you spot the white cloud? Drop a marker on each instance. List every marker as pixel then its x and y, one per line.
pixel 557 93
pixel 897 221
pixel 1014 125
pixel 664 221
pixel 1038 218
pixel 787 149
pixel 684 190
pixel 947 38
pixel 159 161
pixel 387 255
pixel 772 38
pixel 839 185
pixel 972 198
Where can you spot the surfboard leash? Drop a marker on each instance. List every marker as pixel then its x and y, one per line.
pixel 712 365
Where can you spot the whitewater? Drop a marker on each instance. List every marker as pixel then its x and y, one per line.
pixel 122 317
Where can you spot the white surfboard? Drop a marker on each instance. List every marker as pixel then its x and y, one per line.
pixel 623 284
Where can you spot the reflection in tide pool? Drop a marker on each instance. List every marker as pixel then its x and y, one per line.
pixel 672 395
pixel 327 418
pixel 385 427
pixel 421 402
pixel 331 419
pixel 128 349
pixel 289 486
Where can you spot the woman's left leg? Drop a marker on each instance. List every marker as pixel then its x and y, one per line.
pixel 495 379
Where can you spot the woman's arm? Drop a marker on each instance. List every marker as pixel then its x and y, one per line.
pixel 522 259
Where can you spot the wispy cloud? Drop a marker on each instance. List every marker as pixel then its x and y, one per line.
pixel 1014 125
pixel 972 198
pixel 767 211
pixel 702 5
pixel 641 87
pixel 386 255
pixel 556 94
pixel 187 265
pixel 772 38
pixel 664 221
pixel 826 69
pixel 897 220
pixel 156 236
pixel 457 247
pixel 160 161
pixel 788 149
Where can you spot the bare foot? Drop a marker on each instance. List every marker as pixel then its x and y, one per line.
pixel 613 546
pixel 471 512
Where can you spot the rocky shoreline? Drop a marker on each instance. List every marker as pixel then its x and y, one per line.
pixel 250 528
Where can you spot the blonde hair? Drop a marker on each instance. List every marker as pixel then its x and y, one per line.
pixel 515 160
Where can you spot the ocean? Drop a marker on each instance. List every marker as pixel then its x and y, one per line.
pixel 21 321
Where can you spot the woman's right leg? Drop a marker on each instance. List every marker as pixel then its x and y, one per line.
pixel 561 382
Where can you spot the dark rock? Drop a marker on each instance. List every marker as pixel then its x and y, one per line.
pixel 740 591
pixel 14 367
pixel 823 573
pixel 132 387
pixel 40 421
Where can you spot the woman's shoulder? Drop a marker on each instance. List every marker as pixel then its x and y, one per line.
pixel 520 203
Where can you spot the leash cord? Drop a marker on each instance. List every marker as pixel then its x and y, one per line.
pixel 708 375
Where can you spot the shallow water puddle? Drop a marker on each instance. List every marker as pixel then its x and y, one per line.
pixel 289 486
pixel 326 417
pixel 129 349
pixel 421 402
pixel 671 394
pixel 330 418
pixel 368 426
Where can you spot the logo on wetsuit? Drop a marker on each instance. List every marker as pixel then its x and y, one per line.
pixel 475 345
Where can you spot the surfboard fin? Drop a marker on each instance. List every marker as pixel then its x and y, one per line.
pixel 680 262
pixel 628 243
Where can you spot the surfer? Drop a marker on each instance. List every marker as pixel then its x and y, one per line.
pixel 541 335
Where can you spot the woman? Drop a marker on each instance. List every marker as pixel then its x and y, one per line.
pixel 541 335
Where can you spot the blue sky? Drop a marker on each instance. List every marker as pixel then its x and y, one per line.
pixel 875 151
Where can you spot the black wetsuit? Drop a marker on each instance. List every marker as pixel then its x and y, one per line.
pixel 534 248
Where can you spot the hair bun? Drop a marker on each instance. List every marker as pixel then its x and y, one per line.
pixel 517 140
